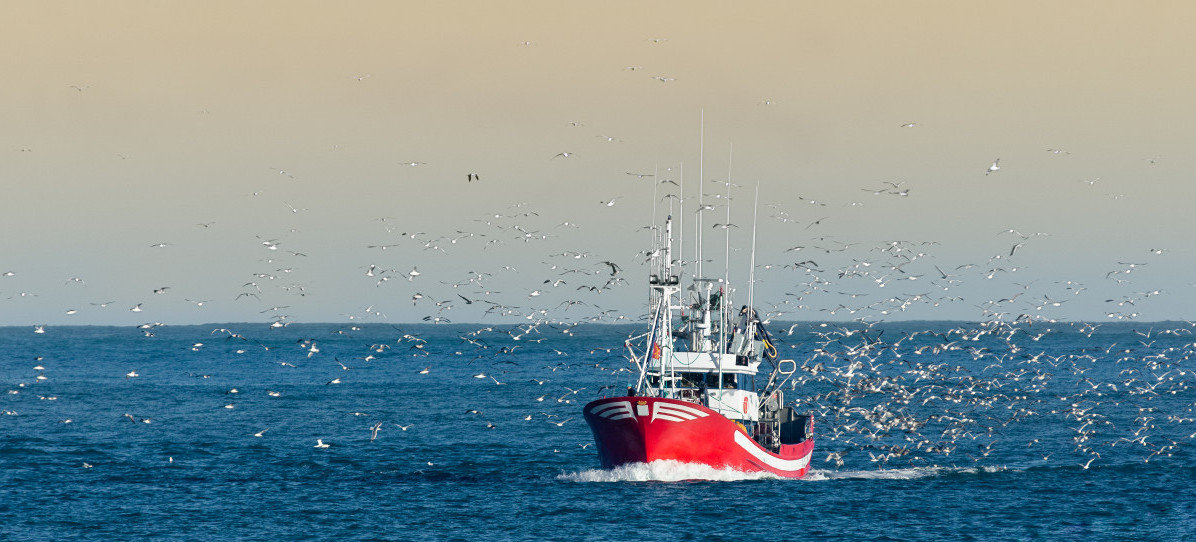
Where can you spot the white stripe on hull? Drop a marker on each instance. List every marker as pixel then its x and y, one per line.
pixel 791 465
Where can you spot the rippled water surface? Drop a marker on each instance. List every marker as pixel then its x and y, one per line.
pixel 994 436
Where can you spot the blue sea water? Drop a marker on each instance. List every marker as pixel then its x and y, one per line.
pixel 999 435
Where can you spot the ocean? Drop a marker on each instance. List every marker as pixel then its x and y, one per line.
pixel 925 431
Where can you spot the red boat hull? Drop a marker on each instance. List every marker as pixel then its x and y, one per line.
pixel 644 429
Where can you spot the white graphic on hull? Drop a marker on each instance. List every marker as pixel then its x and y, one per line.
pixel 750 447
pixel 676 413
pixel 619 410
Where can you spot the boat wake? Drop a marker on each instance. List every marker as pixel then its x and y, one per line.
pixel 675 471
pixel 664 471
pixel 911 473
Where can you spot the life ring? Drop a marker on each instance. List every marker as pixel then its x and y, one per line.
pixel 746 404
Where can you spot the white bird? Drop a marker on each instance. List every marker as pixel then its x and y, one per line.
pixel 262 432
pixel 321 444
pixel 131 374
pixel 996 166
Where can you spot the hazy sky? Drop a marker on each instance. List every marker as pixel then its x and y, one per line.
pixel 220 129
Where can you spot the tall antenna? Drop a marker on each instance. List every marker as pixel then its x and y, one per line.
pixel 681 214
pixel 701 201
pixel 752 269
pixel 655 189
pixel 726 306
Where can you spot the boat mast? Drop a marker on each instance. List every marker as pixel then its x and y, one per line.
pixel 752 268
pixel 725 305
pixel 701 200
pixel 655 190
pixel 681 206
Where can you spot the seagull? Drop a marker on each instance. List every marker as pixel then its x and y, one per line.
pixel 563 154
pixel 131 374
pixel 321 444
pixel 816 222
pixel 993 167
pixel 374 431
pixel 262 432
pixel 404 427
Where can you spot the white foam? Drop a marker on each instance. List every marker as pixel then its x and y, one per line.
pixel 910 473
pixel 663 471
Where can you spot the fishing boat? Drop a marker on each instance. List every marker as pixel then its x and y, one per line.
pixel 709 385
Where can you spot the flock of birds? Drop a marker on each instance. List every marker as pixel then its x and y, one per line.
pixel 1029 391
pixel 884 394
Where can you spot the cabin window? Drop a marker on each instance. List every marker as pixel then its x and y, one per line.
pixel 690 380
